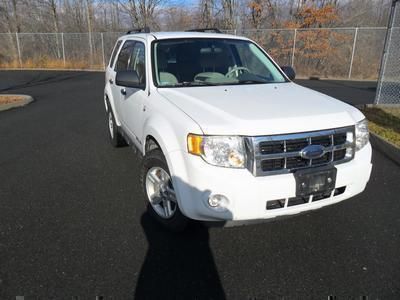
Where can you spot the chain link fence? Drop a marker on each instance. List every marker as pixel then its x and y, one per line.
pixel 56 50
pixel 350 53
pixel 388 91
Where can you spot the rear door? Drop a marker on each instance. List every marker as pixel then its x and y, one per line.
pixel 110 72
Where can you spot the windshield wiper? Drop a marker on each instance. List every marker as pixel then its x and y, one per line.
pixel 253 81
pixel 194 83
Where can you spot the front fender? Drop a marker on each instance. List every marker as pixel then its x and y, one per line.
pixel 171 135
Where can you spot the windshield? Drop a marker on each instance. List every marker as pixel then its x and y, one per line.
pixel 211 61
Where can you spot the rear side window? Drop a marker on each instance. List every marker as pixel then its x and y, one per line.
pixel 124 56
pixel 114 53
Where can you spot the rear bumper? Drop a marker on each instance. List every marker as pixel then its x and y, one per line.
pixel 195 180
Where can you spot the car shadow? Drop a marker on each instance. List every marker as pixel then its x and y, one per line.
pixel 178 265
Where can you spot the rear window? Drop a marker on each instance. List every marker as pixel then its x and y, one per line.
pixel 114 53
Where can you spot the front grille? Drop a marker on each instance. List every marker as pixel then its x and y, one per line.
pixel 326 158
pixel 282 153
pixel 271 147
pixel 339 138
pixel 272 164
pixel 325 141
pixel 295 145
pixel 339 154
pixel 296 162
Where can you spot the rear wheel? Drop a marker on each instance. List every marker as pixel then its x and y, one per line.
pixel 159 192
pixel 117 140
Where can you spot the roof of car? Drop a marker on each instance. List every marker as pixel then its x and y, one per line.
pixel 184 34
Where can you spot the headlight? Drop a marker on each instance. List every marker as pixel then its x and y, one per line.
pixel 223 151
pixel 362 134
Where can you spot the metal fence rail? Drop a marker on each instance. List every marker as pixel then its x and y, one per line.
pixel 351 53
pixel 388 91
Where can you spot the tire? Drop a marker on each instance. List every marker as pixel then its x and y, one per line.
pixel 153 165
pixel 116 139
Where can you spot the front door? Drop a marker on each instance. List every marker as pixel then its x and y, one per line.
pixel 132 100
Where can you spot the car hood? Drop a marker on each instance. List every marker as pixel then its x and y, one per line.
pixel 261 109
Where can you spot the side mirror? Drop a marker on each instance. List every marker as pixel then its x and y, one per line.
pixel 128 79
pixel 289 71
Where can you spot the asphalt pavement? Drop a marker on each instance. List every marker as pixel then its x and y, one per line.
pixel 72 223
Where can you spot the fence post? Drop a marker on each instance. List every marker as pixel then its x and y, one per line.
pixel 19 51
pixel 102 48
pixel 353 51
pixel 385 54
pixel 294 46
pixel 63 47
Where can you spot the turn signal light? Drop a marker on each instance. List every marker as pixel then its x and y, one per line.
pixel 195 144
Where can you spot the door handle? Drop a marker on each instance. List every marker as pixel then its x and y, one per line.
pixel 123 91
pixel 110 81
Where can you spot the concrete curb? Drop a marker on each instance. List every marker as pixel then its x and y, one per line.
pixel 385 147
pixel 26 100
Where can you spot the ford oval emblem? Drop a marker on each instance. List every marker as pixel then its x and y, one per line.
pixel 312 151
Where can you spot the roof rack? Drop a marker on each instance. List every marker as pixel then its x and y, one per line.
pixel 215 30
pixel 139 30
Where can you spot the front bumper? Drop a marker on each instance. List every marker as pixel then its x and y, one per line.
pixel 195 180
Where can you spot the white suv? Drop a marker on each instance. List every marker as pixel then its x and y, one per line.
pixel 225 134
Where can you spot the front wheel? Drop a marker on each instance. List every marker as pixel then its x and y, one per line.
pixel 159 192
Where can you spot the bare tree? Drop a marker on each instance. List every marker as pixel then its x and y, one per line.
pixel 52 7
pixel 15 14
pixel 89 20
pixel 206 8
pixel 229 8
pixel 74 16
pixel 177 18
pixel 141 12
pixel 5 13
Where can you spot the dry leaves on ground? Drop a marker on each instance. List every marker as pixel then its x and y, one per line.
pixel 7 99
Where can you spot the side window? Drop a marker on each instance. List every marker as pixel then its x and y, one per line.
pixel 137 62
pixel 124 56
pixel 114 53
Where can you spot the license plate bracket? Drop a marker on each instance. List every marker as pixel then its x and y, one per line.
pixel 315 181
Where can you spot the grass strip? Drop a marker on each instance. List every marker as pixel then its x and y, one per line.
pixel 385 122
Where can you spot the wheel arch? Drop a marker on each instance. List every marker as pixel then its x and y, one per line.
pixel 160 131
pixel 108 99
pixel 171 140
pixel 175 162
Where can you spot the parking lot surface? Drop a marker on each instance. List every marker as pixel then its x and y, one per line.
pixel 72 222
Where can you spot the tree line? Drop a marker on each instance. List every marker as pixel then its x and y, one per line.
pixel 116 16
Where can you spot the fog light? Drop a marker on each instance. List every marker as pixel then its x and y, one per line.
pixel 218 201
